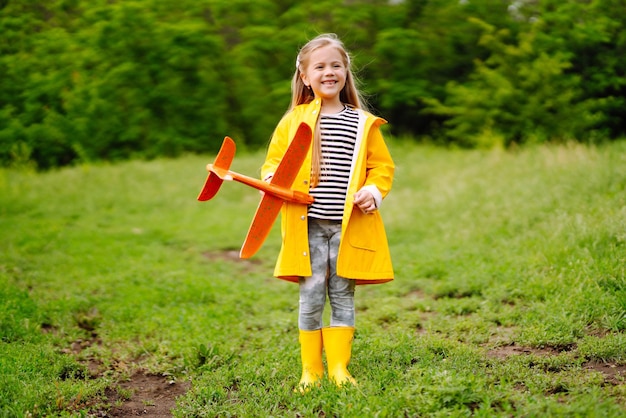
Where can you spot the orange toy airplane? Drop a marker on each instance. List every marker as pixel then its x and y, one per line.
pixel 276 191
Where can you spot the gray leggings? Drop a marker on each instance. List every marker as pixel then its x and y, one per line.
pixel 323 246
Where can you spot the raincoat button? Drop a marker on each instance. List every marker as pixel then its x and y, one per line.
pixel 303 217
pixel 306 182
pixel 304 253
pixel 315 111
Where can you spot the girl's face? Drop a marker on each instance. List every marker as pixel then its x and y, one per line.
pixel 326 74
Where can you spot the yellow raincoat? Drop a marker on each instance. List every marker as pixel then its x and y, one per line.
pixel 363 249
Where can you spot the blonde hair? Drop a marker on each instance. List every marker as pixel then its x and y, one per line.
pixel 301 94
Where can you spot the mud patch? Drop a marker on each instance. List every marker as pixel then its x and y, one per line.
pixel 232 256
pixel 505 351
pixel 145 395
pixel 614 374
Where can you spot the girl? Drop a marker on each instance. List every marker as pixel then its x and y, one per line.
pixel 339 240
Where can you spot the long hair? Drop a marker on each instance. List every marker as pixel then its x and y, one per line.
pixel 301 94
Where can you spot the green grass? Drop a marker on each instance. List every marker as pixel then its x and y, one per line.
pixel 106 269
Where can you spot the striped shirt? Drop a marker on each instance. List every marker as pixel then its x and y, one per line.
pixel 338 132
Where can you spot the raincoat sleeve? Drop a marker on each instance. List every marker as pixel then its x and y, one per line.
pixel 379 166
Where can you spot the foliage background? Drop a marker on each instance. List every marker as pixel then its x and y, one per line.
pixel 91 80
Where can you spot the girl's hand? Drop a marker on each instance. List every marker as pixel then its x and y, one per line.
pixel 365 201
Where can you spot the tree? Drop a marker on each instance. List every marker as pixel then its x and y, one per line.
pixel 86 80
pixel 547 83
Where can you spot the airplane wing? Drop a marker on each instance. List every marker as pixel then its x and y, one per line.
pixel 270 205
pixel 294 157
pixel 261 225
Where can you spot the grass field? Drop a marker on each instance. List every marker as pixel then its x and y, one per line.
pixel 509 298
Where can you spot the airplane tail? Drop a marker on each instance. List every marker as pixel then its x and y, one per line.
pixel 220 165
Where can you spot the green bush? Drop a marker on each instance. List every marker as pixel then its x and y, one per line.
pixel 99 80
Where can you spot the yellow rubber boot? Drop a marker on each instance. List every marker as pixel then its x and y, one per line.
pixel 311 354
pixel 338 347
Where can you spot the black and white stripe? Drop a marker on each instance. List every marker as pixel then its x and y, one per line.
pixel 338 132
